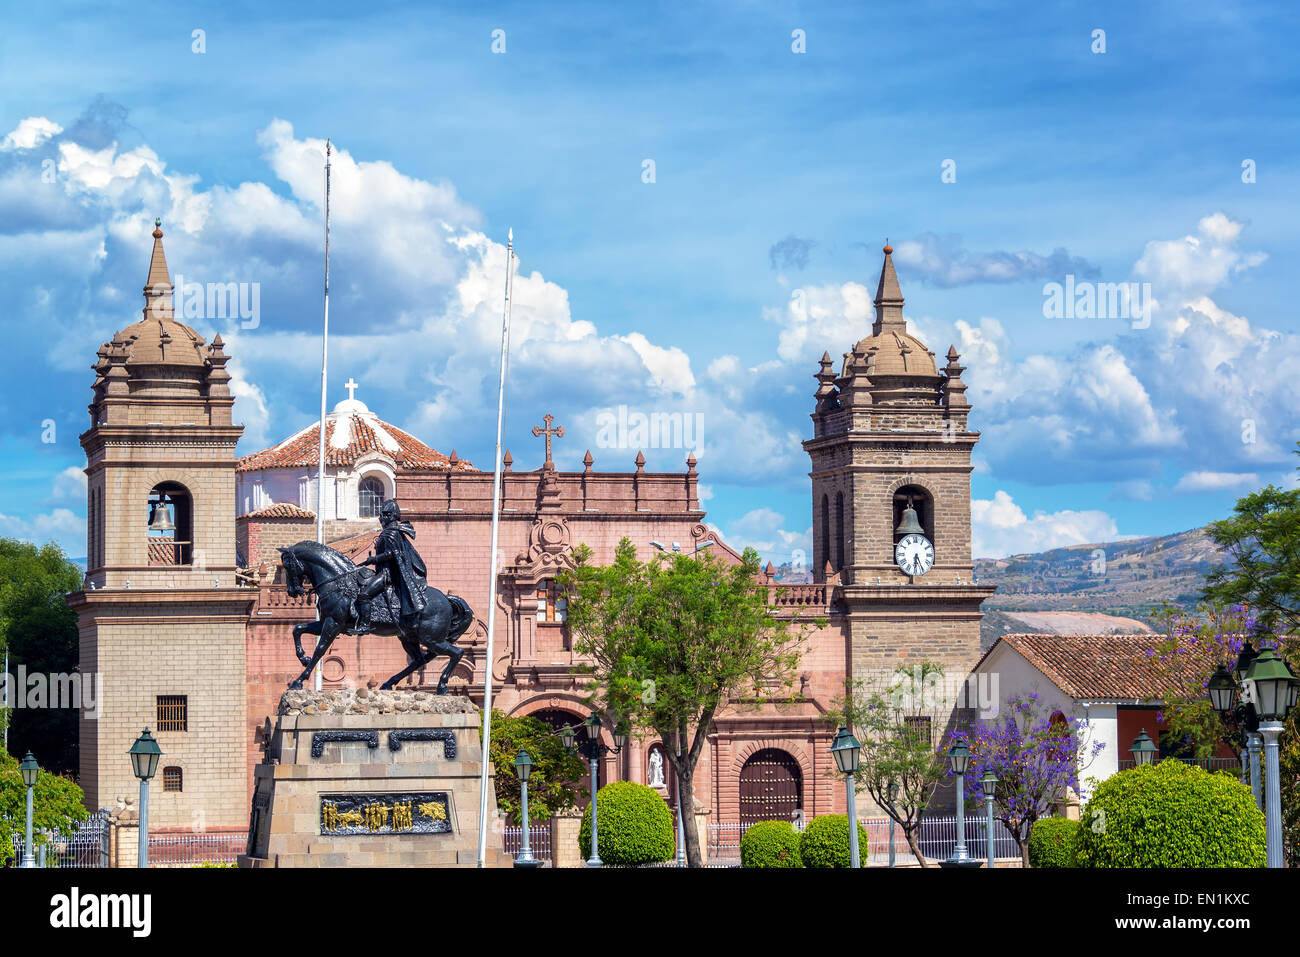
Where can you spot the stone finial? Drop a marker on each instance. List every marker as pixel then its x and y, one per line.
pixel 587 460
pixel 691 462
pixel 453 460
pixel 507 460
pixel 770 571
pixel 954 390
pixel 640 461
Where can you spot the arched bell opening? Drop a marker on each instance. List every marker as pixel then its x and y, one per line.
pixel 170 525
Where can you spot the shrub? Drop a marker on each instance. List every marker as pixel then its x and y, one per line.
pixel 1051 842
pixel 636 826
pixel 770 844
pixel 825 842
pixel 1171 815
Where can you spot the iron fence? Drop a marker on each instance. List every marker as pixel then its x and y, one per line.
pixel 539 840
pixel 87 846
pixel 1209 764
pixel 936 838
pixel 189 850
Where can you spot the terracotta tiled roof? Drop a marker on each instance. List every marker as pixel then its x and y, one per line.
pixel 1104 666
pixel 281 510
pixel 364 433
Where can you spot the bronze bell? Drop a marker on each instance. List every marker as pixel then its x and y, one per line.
pixel 160 520
pixel 909 525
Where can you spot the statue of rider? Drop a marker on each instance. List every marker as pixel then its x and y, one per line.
pixel 396 562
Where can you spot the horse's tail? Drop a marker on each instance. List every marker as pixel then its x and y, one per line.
pixel 462 617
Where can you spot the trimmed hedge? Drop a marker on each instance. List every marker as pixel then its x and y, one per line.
pixel 636 826
pixel 1051 842
pixel 825 842
pixel 1171 815
pixel 770 844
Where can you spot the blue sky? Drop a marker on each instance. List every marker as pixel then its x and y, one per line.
pixel 713 289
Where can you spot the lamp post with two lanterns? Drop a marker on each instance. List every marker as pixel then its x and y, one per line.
pixel 593 749
pixel 959 760
pixel 1272 692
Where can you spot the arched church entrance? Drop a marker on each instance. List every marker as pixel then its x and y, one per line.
pixel 771 787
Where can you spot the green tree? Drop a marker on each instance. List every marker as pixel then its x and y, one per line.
pixel 553 787
pixel 673 640
pixel 40 632
pixel 899 767
pixel 56 805
pixel 1262 538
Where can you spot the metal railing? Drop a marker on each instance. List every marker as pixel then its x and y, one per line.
pixel 539 840
pixel 188 850
pixel 936 837
pixel 85 847
pixel 1209 764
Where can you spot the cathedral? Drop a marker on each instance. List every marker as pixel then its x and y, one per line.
pixel 186 617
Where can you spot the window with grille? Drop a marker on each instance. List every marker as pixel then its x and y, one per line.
pixel 919 727
pixel 173 712
pixel 549 606
pixel 370 497
pixel 173 779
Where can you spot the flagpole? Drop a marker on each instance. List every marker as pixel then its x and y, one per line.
pixel 324 368
pixel 492 587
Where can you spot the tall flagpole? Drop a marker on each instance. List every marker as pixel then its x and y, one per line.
pixel 324 366
pixel 492 588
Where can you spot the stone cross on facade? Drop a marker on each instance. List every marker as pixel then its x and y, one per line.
pixel 351 386
pixel 558 432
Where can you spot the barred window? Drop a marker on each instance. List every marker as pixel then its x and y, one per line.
pixel 370 497
pixel 173 712
pixel 919 727
pixel 173 779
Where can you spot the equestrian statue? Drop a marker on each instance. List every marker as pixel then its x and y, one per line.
pixel 394 599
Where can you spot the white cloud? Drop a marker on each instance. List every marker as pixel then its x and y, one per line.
pixel 30 133
pixel 60 525
pixel 763 529
pixel 1000 528
pixel 69 485
pixel 1215 481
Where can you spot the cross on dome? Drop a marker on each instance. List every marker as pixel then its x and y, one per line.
pixel 351 386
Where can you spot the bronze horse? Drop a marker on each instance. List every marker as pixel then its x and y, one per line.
pixel 336 581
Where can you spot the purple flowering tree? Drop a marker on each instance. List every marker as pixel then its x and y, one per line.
pixel 1035 760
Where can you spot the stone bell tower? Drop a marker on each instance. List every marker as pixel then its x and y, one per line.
pixel 890 431
pixel 161 618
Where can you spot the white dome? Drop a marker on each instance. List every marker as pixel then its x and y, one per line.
pixel 351 407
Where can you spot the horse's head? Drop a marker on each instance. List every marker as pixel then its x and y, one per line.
pixel 293 571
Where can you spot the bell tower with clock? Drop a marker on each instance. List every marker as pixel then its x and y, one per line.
pixel 891 464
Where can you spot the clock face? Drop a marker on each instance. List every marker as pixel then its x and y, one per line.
pixel 914 554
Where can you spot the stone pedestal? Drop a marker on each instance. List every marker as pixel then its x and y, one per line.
pixel 370 779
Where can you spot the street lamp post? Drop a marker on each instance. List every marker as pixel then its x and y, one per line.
pixel 959 759
pixel 1273 691
pixel 30 771
pixel 144 762
pixel 1254 743
pixel 524 768
pixel 989 783
pixel 847 749
pixel 593 748
pixel 681 831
